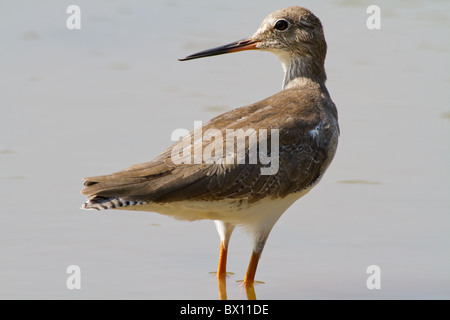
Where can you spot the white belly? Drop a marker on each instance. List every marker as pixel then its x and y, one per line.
pixel 235 212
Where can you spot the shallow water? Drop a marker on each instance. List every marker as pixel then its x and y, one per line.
pixel 94 101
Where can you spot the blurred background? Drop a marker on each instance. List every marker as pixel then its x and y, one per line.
pixel 77 103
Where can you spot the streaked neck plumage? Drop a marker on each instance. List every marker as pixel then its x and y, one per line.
pixel 303 69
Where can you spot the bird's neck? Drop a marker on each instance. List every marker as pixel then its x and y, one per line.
pixel 302 69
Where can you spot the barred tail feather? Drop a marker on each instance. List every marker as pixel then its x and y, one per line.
pixel 103 203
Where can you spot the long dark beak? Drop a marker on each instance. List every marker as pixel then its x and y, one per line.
pixel 241 45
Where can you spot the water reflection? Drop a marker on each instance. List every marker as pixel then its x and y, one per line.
pixel 222 281
pixel 222 284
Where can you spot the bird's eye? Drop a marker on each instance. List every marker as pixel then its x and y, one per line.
pixel 281 25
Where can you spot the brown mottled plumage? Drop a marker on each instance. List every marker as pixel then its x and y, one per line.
pixel 162 181
pixel 238 194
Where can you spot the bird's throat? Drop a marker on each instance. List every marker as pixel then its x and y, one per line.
pixel 302 69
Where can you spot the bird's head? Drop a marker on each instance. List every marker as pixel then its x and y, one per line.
pixel 288 33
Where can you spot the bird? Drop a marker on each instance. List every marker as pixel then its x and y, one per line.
pixel 301 121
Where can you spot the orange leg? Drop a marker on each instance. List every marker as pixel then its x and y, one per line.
pixel 225 230
pixel 222 270
pixel 251 271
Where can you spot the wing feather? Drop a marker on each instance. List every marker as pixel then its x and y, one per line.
pixel 305 135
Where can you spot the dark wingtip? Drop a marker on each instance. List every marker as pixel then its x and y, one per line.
pixel 89 183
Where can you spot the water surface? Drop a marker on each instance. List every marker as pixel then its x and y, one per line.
pixel 94 101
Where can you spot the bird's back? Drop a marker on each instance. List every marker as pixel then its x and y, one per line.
pixel 306 121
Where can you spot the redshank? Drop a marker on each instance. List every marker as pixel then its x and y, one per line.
pixel 302 115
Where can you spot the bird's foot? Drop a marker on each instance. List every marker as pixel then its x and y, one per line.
pixel 226 274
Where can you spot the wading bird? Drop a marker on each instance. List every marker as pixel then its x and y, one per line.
pixel 238 194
